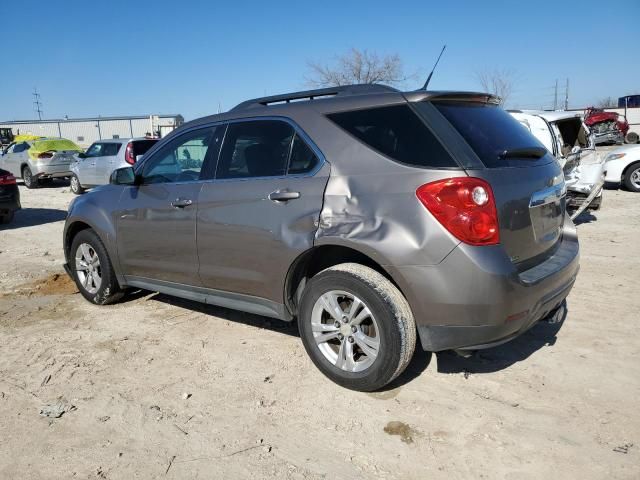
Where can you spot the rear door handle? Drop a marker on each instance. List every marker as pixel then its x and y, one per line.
pixel 283 195
pixel 181 202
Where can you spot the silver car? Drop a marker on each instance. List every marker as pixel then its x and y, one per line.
pixel 94 167
pixel 37 161
pixel 374 217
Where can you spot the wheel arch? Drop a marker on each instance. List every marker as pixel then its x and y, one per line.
pixel 626 168
pixel 318 258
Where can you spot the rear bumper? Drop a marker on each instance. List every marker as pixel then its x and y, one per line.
pixel 50 171
pixel 475 297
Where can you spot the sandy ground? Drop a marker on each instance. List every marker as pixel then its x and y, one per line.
pixel 161 388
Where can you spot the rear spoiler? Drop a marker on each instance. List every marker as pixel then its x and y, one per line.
pixel 473 97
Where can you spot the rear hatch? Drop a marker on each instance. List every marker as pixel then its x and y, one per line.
pixel 54 152
pixel 527 182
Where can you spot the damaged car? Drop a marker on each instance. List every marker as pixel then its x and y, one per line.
pixel 376 218
pixel 568 138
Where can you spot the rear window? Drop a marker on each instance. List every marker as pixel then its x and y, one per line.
pixel 397 133
pixel 140 147
pixel 489 131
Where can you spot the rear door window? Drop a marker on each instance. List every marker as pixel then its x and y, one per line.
pixel 396 132
pixel 258 148
pixel 111 149
pixel 490 131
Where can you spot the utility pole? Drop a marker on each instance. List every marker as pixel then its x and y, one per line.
pixel 555 96
pixel 566 96
pixel 37 103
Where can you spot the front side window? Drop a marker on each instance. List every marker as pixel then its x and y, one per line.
pixel 181 160
pixel 21 147
pixel 257 148
pixel 396 132
pixel 95 150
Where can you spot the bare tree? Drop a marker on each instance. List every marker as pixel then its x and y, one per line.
pixel 607 102
pixel 357 67
pixel 497 82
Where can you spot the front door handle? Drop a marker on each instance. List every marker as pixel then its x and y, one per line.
pixel 283 195
pixel 181 202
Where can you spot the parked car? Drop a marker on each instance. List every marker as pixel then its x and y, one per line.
pixel 371 215
pixel 623 167
pixel 95 166
pixel 37 161
pixel 568 138
pixel 9 196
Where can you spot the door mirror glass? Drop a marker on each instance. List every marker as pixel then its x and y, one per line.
pixel 82 155
pixel 123 176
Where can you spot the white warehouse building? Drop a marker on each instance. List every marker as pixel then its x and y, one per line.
pixel 85 131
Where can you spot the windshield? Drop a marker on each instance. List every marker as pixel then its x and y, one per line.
pixel 490 132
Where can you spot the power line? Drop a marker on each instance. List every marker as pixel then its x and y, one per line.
pixel 37 103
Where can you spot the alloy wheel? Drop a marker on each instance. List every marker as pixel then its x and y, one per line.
pixel 88 268
pixel 345 331
pixel 635 178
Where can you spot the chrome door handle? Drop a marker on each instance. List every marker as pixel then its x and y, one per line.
pixel 283 196
pixel 181 202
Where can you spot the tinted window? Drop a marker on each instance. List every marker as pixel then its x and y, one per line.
pixel 489 131
pixel 396 132
pixel 140 147
pixel 180 160
pixel 302 160
pixel 255 149
pixel 111 149
pixel 21 147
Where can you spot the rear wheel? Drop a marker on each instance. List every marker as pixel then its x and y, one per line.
pixel 356 326
pixel 28 179
pixel 75 185
pixel 632 177
pixel 92 270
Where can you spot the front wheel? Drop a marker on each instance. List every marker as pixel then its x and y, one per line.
pixel 92 270
pixel 632 177
pixel 356 326
pixel 75 185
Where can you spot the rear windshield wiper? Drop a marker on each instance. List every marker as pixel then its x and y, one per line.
pixel 527 152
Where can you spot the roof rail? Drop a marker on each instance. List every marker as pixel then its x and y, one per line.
pixel 307 95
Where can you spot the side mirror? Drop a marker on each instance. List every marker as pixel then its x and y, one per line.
pixel 123 176
pixel 82 155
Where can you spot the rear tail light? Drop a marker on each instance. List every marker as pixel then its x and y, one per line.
pixel 7 179
pixel 129 157
pixel 46 155
pixel 465 206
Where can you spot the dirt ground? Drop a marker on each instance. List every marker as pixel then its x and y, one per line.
pixel 161 388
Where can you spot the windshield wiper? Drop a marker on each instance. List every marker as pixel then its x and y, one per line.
pixel 527 152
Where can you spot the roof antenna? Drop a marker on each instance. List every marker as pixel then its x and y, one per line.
pixel 426 84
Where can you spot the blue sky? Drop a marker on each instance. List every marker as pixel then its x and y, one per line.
pixel 121 58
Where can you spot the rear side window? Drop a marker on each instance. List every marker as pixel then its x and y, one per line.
pixel 255 149
pixel 398 133
pixel 302 160
pixel 490 131
pixel 111 149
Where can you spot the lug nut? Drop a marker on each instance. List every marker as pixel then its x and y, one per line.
pixel 354 329
pixel 351 339
pixel 340 337
pixel 345 319
pixel 336 324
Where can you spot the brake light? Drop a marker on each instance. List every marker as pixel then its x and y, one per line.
pixel 7 179
pixel 45 155
pixel 465 206
pixel 129 157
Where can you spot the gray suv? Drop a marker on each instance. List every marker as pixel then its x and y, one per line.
pixel 374 217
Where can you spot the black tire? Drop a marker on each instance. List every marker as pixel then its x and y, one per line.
pixel 7 217
pixel 397 329
pixel 27 178
pixel 109 290
pixel 75 185
pixel 633 171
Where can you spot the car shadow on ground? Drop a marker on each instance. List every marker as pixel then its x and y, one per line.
pixel 585 217
pixel 50 183
pixel 30 217
pixel 542 334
